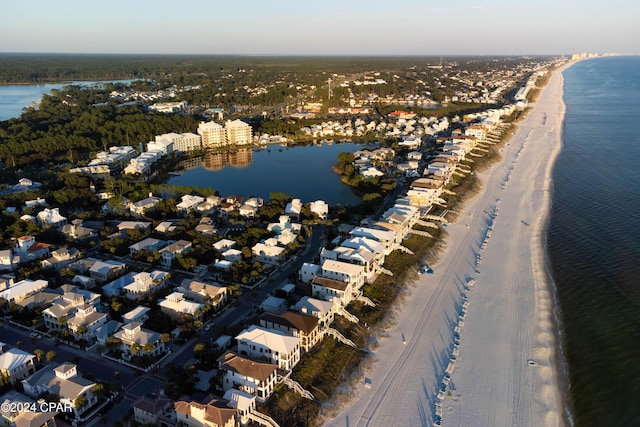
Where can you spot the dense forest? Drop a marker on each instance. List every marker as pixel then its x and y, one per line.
pixel 59 132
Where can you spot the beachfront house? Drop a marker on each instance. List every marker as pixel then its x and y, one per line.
pixel 259 343
pixel 255 378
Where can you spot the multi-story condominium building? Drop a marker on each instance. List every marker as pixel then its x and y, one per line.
pixel 238 133
pixel 182 142
pixel 213 135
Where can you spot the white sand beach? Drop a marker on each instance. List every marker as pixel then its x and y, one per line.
pixel 504 372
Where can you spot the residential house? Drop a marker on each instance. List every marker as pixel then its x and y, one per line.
pixel 320 208
pixel 213 294
pixel 213 414
pixel 386 238
pixel 333 290
pixel 344 272
pixel 232 255
pixel 138 314
pixel 144 283
pixel 308 271
pixel 133 333
pixel 248 211
pixel 243 403
pixel 103 271
pixel 51 218
pixel 268 254
pixel 223 244
pixel 154 409
pixel 293 208
pixel 255 378
pixel 148 244
pixel 189 203
pixel 8 260
pixel 63 381
pixel 301 326
pixel 171 252
pixel 23 418
pixel 16 364
pixel 175 304
pixel 86 321
pixel 139 208
pixel 323 310
pixel 28 249
pixel 16 292
pixel 61 258
pixel 270 345
pixel 76 230
pixel 65 306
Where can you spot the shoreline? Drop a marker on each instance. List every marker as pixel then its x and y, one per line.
pixel 506 372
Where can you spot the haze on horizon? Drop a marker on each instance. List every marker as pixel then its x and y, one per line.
pixel 330 27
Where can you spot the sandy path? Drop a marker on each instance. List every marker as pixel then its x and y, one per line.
pixel 503 374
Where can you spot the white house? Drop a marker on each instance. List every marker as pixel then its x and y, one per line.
pixel 269 345
pixel 308 271
pixel 16 364
pixel 255 378
pixel 144 283
pixel 51 218
pixel 16 292
pixel 63 381
pixel 175 305
pixel 189 202
pixel 268 254
pixel 344 272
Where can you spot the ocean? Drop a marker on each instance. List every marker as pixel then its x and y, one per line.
pixel 593 240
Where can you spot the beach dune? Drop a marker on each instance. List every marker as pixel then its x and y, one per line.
pixel 504 371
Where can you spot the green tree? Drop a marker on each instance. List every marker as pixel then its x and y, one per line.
pixel 148 347
pixel 50 355
pixel 135 348
pixel 80 402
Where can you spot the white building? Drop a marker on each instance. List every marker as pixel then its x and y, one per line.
pixel 269 345
pixel 255 378
pixel 238 132
pixel 175 305
pixel 182 142
pixel 213 135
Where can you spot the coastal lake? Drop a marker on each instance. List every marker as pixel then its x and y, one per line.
pixel 13 98
pixel 301 171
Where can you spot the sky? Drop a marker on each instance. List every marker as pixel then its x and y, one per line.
pixel 321 27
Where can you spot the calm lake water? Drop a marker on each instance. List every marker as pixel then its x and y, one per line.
pixel 304 172
pixel 13 98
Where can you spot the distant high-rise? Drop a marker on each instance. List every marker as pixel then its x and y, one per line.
pixel 213 135
pixel 238 133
